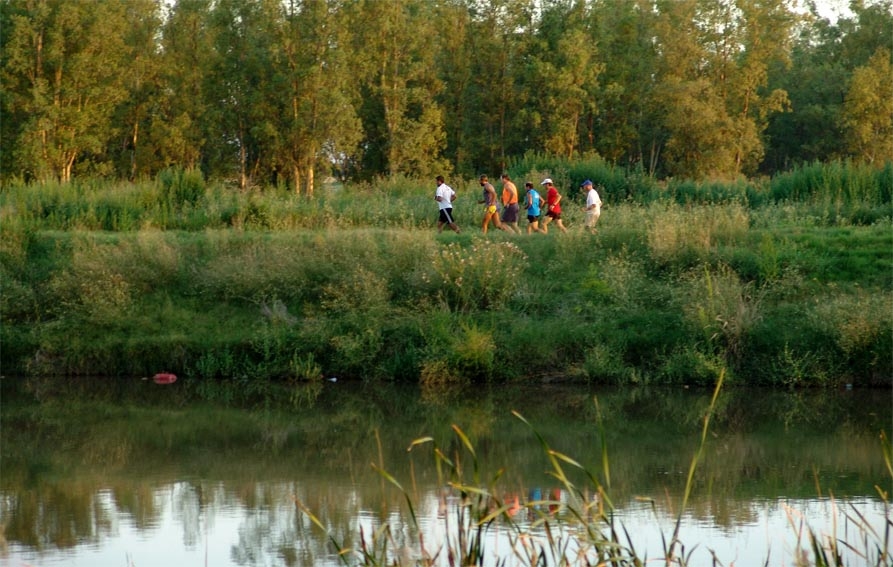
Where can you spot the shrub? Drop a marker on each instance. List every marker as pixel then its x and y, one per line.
pixel 483 276
pixel 357 350
pixel 94 288
pixel 359 292
pixel 473 352
pixel 437 373
pixel 723 308
pixel 181 187
pixel 603 363
pixel 622 279
pixel 304 368
pixel 861 325
pixel 688 365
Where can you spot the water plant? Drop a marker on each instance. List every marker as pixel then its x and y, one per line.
pixel 576 526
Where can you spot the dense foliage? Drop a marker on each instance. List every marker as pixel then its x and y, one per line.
pixel 784 282
pixel 282 92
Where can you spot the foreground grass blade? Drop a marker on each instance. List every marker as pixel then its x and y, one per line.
pixel 388 477
pixel 689 483
pixel 341 550
pixel 603 437
pixel 465 441
pixel 887 448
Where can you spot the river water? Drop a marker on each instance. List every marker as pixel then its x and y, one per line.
pixel 154 480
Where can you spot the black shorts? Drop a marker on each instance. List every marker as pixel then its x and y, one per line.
pixel 532 219
pixel 446 215
pixel 554 216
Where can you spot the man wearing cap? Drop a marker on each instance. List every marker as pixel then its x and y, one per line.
pixel 593 206
pixel 553 211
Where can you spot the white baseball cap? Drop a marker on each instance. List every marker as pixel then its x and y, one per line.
pixel 546 181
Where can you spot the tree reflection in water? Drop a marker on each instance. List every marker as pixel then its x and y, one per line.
pixel 206 483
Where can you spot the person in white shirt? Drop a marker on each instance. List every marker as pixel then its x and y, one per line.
pixel 444 195
pixel 593 206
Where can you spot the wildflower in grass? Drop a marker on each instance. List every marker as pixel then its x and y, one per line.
pixel 479 277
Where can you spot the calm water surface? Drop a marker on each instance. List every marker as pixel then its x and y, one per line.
pixel 136 476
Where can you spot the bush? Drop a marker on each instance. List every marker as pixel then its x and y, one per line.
pixel 688 365
pixel 604 364
pixel 483 276
pixel 181 187
pixel 861 325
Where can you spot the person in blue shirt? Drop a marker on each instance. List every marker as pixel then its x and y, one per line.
pixel 533 203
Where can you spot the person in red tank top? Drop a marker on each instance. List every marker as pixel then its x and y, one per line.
pixel 553 210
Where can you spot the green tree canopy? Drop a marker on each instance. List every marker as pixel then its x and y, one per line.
pixel 868 109
pixel 280 91
pixel 63 70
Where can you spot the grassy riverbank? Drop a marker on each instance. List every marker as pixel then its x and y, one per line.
pixel 785 282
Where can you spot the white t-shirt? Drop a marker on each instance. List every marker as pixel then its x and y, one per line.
pixel 445 192
pixel 592 198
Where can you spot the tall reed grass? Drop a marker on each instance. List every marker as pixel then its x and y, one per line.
pixel 482 520
pixel 674 231
pixel 837 192
pixel 836 182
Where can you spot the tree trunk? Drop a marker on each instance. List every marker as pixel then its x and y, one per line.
pixel 66 168
pixel 296 175
pixel 243 160
pixel 134 138
pixel 738 156
pixel 653 159
pixel 310 175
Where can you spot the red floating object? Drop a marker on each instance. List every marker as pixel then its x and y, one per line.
pixel 164 378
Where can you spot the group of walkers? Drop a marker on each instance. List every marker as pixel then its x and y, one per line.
pixel 533 204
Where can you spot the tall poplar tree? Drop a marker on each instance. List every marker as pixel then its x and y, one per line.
pixel 493 94
pixel 242 118
pixel 824 57
pixel 135 154
pixel 623 128
pixel 868 110
pixel 692 110
pixel 715 60
pixel 179 126
pixel 565 72
pixel 454 67
pixel 317 93
pixel 401 116
pixel 766 27
pixel 62 73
